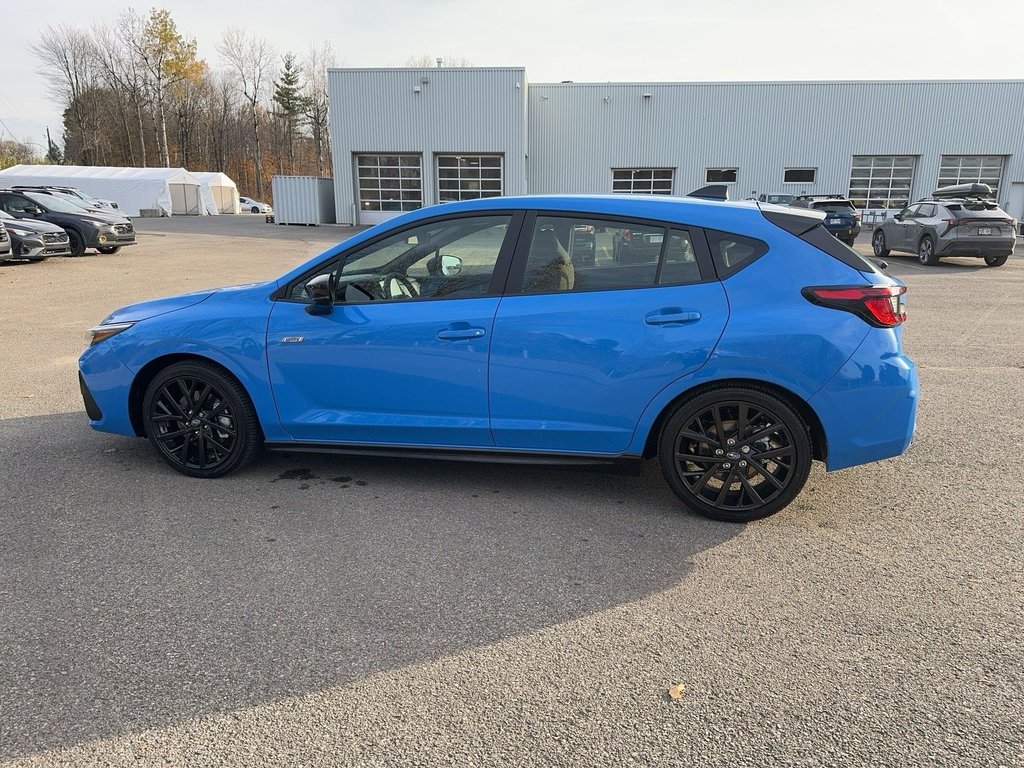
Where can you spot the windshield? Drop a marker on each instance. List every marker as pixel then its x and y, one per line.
pixel 54 203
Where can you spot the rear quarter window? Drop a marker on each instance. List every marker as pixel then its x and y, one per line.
pixel 731 253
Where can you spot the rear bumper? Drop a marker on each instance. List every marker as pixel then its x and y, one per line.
pixel 983 246
pixel 843 231
pixel 869 408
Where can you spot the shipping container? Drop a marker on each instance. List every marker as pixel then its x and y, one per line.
pixel 303 200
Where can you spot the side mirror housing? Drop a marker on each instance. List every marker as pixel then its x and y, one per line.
pixel 321 295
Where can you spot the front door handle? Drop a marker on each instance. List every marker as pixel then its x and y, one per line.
pixel 672 316
pixel 459 334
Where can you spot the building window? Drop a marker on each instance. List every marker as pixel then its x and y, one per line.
pixel 642 181
pixel 389 182
pixel 970 169
pixel 720 175
pixel 468 177
pixel 881 181
pixel 799 175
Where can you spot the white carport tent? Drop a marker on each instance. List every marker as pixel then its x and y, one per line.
pixel 220 194
pixel 174 191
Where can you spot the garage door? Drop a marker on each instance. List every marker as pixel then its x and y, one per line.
pixel 388 185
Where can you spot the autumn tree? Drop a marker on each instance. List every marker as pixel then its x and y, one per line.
pixel 318 60
pixel 168 59
pixel 250 59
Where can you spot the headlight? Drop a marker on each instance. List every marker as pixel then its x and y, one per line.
pixel 101 332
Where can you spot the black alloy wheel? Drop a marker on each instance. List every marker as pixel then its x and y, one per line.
pixel 108 249
pixel 996 261
pixel 926 251
pixel 735 453
pixel 200 420
pixel 878 245
pixel 76 242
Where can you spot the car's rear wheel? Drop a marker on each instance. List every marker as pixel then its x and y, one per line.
pixel 996 261
pixel 76 243
pixel 878 245
pixel 109 249
pixel 926 251
pixel 200 420
pixel 735 453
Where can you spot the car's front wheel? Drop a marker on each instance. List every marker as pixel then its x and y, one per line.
pixel 878 245
pixel 108 249
pixel 200 420
pixel 255 209
pixel 735 453
pixel 926 251
pixel 996 261
pixel 76 243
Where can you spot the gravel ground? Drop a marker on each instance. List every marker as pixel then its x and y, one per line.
pixel 319 610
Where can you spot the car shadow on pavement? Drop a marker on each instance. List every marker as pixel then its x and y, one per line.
pixel 132 597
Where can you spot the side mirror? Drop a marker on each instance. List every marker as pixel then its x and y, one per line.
pixel 320 294
pixel 450 265
pixel 898 217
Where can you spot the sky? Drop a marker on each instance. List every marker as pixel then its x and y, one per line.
pixel 579 40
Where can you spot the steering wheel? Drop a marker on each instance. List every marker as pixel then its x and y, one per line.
pixel 398 286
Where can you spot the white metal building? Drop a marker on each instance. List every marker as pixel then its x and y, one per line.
pixel 406 138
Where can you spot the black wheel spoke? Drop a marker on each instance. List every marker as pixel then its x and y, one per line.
pixel 774 453
pixel 741 420
pixel 752 493
pixel 176 433
pixel 699 437
pixel 201 449
pixel 726 485
pixel 217 425
pixel 761 434
pixel 719 429
pixel 761 470
pixel 703 481
pixel 697 458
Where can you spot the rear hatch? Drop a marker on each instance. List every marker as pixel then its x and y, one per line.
pixel 979 221
pixel 839 214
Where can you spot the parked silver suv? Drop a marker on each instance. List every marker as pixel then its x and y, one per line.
pixel 953 221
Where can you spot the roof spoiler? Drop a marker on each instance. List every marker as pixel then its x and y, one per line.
pixel 711 192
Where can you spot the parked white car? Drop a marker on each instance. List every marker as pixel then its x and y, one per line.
pixel 248 205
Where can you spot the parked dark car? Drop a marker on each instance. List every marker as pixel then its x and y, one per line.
pixel 750 343
pixel 75 195
pixel 958 220
pixel 105 232
pixel 33 240
pixel 5 243
pixel 841 217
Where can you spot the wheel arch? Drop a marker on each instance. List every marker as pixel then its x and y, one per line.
pixel 149 371
pixel 819 441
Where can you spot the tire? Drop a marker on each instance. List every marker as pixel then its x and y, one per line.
pixel 200 420
pixel 76 242
pixel 255 209
pixel 109 249
pixel 996 261
pixel 878 244
pixel 926 251
pixel 704 471
pixel 850 241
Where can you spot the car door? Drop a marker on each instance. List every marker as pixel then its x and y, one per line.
pixel 400 357
pixel 896 231
pixel 917 224
pixel 579 350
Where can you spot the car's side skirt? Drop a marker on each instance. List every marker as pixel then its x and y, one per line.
pixel 625 463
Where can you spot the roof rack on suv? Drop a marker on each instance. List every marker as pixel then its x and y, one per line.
pixel 962 190
pixel 820 197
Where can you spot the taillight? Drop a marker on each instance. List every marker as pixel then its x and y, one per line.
pixel 882 306
pixel 951 221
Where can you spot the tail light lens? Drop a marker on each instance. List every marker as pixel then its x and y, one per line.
pixel 883 306
pixel 951 221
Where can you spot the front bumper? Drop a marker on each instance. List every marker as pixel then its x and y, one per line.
pixel 39 247
pixel 106 385
pixel 115 235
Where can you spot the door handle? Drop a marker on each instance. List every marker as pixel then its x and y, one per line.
pixel 457 334
pixel 672 316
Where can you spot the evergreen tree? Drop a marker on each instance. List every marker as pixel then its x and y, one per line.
pixel 291 103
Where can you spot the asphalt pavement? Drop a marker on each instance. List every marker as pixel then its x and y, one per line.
pixel 318 610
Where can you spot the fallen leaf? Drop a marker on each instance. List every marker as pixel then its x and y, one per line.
pixel 676 691
pixel 29 394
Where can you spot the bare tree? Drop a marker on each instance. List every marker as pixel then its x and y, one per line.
pixel 251 59
pixel 318 60
pixel 66 62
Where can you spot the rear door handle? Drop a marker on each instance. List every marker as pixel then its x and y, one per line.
pixel 672 316
pixel 458 334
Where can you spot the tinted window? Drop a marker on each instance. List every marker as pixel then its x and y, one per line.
pixel 454 258
pixel 680 265
pixel 733 252
pixel 584 254
pixel 834 205
pixel 926 211
pixel 799 175
pixel 17 203
pixel 720 175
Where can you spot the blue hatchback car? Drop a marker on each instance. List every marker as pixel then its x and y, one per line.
pixel 738 344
